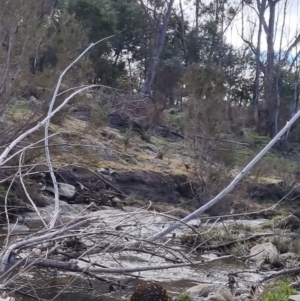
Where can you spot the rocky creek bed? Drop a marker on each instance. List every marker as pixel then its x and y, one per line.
pixel 248 248
pixel 261 257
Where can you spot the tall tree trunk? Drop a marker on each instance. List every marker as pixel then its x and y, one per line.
pixel 160 38
pixel 197 14
pixel 294 102
pixel 295 98
pixel 270 93
pixel 262 9
pixel 183 35
pixel 278 72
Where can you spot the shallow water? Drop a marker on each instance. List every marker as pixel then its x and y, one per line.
pixel 176 281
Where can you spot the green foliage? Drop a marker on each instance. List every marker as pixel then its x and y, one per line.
pixel 280 291
pixel 282 244
pixel 257 139
pixel 278 218
pixel 103 18
pixel 96 15
pixel 184 297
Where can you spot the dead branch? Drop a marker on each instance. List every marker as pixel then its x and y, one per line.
pixel 281 273
pixel 232 185
pixel 73 267
pixel 47 123
pixel 9 148
pixel 9 253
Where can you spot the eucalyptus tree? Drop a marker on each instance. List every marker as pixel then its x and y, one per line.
pixel 271 17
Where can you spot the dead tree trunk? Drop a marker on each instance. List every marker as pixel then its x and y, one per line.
pixel 158 46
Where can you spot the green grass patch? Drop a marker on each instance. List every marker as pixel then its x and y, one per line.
pixel 22 104
pixel 184 297
pixel 258 140
pixel 279 291
pixel 175 118
pixel 278 218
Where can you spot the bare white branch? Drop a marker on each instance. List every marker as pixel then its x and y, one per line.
pixel 231 186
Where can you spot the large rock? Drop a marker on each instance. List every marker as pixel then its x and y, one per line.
pixel 210 292
pixel 290 222
pixel 104 184
pixel 102 151
pixel 217 297
pixel 222 295
pixel 294 298
pixel 288 257
pixel 199 291
pixel 261 252
pixel 16 228
pixel 64 189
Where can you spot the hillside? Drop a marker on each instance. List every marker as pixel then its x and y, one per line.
pixel 156 163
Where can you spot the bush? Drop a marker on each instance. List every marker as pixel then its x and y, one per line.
pixel 279 291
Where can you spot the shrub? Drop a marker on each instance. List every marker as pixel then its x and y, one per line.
pixel 279 291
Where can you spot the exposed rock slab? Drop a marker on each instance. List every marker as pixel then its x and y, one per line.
pixel 210 292
pixel 64 189
pixel 199 291
pixel 263 251
pixel 103 185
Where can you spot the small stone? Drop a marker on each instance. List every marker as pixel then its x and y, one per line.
pixel 34 100
pixel 64 189
pixel 46 244
pixel 226 294
pixel 105 208
pixel 132 160
pixel 209 256
pixel 61 257
pixel 37 251
pixel 3 119
pixel 216 297
pixel 116 199
pixel 89 96
pixel 15 229
pixel 152 148
pixel 105 171
pixel 93 206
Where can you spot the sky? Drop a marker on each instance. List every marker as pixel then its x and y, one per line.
pixel 249 17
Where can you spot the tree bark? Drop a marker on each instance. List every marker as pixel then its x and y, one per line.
pixel 270 93
pixel 262 8
pixel 183 35
pixel 160 37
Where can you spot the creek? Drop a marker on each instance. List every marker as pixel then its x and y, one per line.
pixel 176 280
